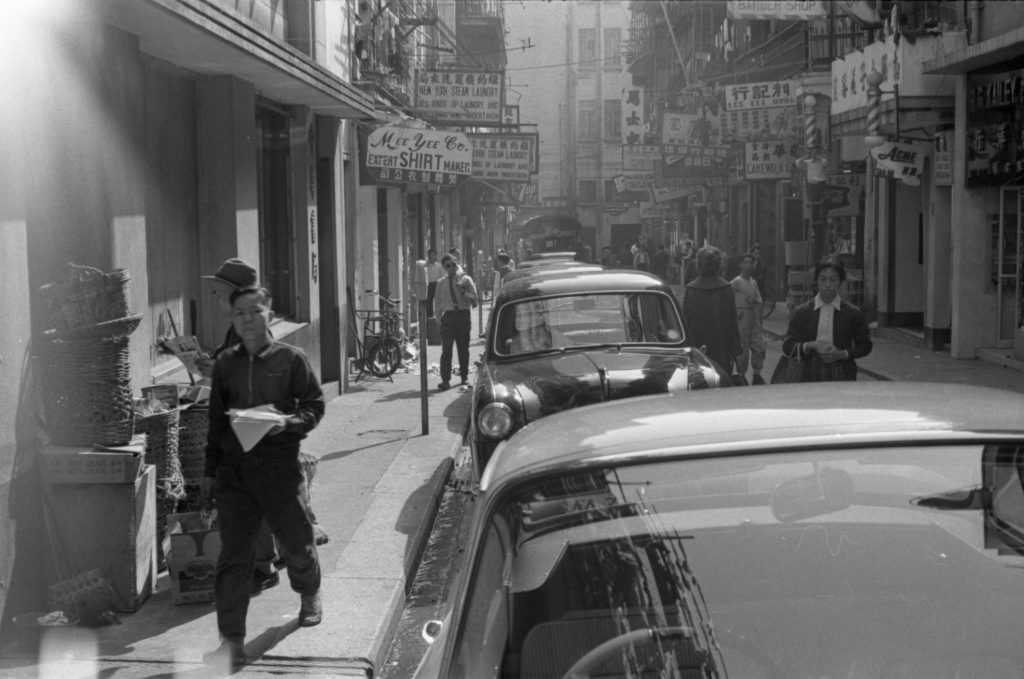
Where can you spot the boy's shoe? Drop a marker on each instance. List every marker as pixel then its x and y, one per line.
pixel 230 655
pixel 262 581
pixel 312 611
pixel 757 379
pixel 444 386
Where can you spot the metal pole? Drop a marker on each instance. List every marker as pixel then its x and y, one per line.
pixel 424 409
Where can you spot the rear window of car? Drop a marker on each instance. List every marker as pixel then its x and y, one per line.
pixel 554 323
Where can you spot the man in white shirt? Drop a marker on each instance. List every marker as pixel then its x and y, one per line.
pixel 748 310
pixel 435 272
pixel 455 296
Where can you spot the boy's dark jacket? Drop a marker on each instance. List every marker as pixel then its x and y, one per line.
pixel 278 374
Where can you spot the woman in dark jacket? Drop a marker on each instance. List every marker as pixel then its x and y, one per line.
pixel 709 310
pixel 826 332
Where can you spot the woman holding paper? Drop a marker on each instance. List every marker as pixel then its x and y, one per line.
pixel 266 481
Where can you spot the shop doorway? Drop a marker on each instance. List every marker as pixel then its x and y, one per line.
pixel 1007 254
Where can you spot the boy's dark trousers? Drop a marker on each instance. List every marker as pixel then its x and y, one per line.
pixel 245 493
pixel 455 328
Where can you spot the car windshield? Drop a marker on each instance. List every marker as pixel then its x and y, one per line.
pixel 563 322
pixel 896 562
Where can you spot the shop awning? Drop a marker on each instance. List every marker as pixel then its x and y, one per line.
pixel 212 40
pixel 1001 53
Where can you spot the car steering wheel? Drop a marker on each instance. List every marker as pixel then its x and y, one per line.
pixel 582 668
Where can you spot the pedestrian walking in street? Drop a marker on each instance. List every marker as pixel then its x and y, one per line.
pixel 748 315
pixel 265 481
pixel 435 272
pixel 608 258
pixel 641 257
pixel 456 295
pixel 828 333
pixel 709 310
pixel 659 262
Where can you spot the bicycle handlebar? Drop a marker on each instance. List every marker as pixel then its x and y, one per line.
pixel 386 300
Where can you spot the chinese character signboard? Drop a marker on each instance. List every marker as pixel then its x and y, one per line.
pixel 844 195
pixel 760 95
pixel 632 115
pixel 640 157
pixel 995 140
pixel 417 156
pixel 770 159
pixel 942 163
pixel 459 97
pixel 505 157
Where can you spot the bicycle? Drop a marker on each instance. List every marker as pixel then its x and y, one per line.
pixel 382 332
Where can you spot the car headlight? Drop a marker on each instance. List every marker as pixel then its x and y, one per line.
pixel 495 420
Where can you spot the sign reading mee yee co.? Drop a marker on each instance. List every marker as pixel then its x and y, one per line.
pixel 413 155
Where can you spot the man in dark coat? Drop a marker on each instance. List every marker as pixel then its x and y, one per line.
pixel 709 310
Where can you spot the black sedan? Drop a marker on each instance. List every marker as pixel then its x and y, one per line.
pixel 574 337
pixel 861 529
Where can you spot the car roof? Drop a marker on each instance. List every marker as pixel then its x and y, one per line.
pixel 756 419
pixel 551 255
pixel 516 274
pixel 578 280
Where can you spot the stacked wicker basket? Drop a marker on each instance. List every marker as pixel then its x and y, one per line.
pixel 85 373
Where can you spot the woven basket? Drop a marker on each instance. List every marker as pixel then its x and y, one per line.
pixel 194 424
pixel 161 430
pixel 88 596
pixel 86 390
pixel 87 297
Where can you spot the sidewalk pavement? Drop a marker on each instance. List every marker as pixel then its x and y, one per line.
pixel 901 355
pixel 377 486
pixel 376 491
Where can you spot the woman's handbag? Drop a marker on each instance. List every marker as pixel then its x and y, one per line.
pixel 787 371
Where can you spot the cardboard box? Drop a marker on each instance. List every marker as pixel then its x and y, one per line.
pixel 192 557
pixel 102 464
pixel 112 527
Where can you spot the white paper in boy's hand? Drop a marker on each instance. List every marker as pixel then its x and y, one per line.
pixel 252 424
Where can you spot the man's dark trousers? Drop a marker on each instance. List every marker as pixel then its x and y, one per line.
pixel 245 493
pixel 455 327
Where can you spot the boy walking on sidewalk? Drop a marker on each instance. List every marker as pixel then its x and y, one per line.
pixel 748 310
pixel 265 481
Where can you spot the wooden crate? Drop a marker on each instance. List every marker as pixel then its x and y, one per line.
pixel 112 527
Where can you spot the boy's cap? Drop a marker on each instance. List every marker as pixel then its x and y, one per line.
pixel 236 272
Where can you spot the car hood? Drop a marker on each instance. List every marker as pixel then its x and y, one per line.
pixel 554 382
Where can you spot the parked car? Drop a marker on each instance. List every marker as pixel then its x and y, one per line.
pixel 570 337
pixel 864 530
pixel 550 267
pixel 542 258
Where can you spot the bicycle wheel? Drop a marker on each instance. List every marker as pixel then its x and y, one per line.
pixel 385 357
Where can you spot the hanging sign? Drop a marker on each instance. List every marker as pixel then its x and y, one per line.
pixel 685 160
pixel 459 97
pixel 504 157
pixel 413 155
pixel 632 115
pixel 844 196
pixel 761 95
pixel 778 10
pixel 901 161
pixel 942 164
pixel 770 159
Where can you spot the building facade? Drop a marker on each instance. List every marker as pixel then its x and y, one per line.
pixel 162 137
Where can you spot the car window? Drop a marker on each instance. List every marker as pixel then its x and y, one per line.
pixel 548 323
pixel 889 559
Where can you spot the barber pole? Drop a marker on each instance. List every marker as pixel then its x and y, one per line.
pixel 810 123
pixel 874 80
